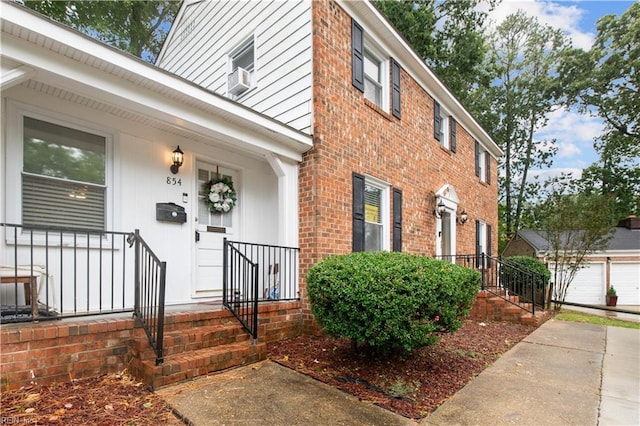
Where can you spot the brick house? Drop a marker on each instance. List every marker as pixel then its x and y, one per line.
pixel 391 144
pixel 336 135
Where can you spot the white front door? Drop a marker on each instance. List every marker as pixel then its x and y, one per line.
pixel 211 229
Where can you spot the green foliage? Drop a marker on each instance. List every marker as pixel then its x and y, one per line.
pixel 527 263
pixel 447 35
pixel 595 319
pixel 523 59
pixel 390 300
pixel 611 291
pixel 575 224
pixel 138 27
pixel 604 81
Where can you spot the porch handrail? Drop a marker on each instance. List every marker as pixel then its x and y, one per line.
pixel 75 272
pixel 150 282
pixel 240 287
pixel 257 273
pixel 503 278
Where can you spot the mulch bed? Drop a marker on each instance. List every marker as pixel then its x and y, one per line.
pixel 412 385
pixel 114 399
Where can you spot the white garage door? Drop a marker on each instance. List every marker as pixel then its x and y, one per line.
pixel 588 285
pixel 625 278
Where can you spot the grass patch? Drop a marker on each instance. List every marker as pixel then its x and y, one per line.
pixel 595 319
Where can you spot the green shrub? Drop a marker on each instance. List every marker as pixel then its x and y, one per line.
pixel 390 300
pixel 527 263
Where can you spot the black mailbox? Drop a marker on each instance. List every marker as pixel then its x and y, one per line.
pixel 170 212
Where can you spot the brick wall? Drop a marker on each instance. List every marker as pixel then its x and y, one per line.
pixel 54 352
pixel 353 135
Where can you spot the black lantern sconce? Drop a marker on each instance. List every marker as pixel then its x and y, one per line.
pixel 177 157
pixel 463 217
pixel 440 208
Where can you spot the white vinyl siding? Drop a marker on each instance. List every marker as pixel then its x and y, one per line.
pixel 199 51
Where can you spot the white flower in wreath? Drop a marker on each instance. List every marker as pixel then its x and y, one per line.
pixel 221 195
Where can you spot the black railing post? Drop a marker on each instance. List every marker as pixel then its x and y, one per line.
pixel 225 268
pixel 136 271
pixel 484 272
pixel 256 268
pixel 160 336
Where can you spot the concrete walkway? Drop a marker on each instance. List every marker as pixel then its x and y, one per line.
pixel 563 373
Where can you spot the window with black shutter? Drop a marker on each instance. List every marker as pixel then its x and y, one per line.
pixel 397 220
pixel 358 212
pixel 437 121
pixel 477 157
pixel 487 172
pixel 395 93
pixel 357 55
pixel 452 133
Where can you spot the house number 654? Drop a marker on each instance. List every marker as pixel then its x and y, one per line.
pixel 174 181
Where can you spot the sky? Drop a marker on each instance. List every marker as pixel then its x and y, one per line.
pixel 577 19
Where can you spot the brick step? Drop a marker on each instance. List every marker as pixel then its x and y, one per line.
pixel 188 365
pixel 179 341
pixel 489 307
pixel 188 320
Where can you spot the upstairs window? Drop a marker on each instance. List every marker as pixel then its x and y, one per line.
pixel 483 163
pixel 442 130
pixel 63 176
pixel 371 70
pixel 242 68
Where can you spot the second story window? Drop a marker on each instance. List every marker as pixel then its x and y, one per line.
pixel 373 78
pixel 483 163
pixel 371 71
pixel 242 68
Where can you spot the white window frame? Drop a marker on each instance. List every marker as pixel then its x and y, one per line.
pixel 445 135
pixel 483 237
pixel 231 58
pixel 385 209
pixel 15 114
pixel 371 50
pixel 482 164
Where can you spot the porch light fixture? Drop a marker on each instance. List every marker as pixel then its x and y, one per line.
pixel 177 158
pixel 440 208
pixel 463 217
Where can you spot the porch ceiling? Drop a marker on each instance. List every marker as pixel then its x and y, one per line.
pixel 53 59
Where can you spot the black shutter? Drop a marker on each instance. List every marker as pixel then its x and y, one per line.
pixel 357 55
pixel 487 158
pixel 358 212
pixel 477 158
pixel 397 220
pixel 395 88
pixel 437 124
pixel 478 250
pixel 452 126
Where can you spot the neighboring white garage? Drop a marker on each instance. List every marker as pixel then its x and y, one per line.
pixel 588 286
pixel 625 278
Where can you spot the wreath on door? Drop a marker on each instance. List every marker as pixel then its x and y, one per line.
pixel 220 195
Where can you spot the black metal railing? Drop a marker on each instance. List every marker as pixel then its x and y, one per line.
pixel 150 281
pixel 71 272
pixel 66 272
pixel 257 273
pixel 504 279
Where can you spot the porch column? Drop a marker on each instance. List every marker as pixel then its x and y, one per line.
pixel 287 172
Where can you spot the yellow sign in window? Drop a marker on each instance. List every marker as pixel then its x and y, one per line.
pixel 371 213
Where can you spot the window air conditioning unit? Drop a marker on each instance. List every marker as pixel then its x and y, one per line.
pixel 239 81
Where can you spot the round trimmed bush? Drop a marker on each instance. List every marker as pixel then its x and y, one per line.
pixel 390 300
